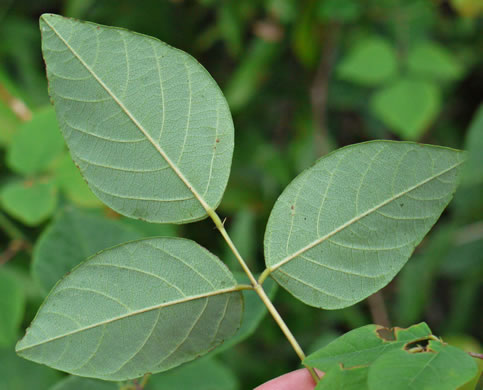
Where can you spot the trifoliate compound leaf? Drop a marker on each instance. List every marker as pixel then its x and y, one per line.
pixel 345 227
pixel 145 306
pixel 147 125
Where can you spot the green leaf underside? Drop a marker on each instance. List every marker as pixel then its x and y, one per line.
pixel 362 346
pixel 344 227
pixel 442 367
pixel 73 236
pixel 135 308
pixel 148 127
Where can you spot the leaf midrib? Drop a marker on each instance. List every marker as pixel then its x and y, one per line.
pixel 134 313
pixel 173 166
pixel 357 218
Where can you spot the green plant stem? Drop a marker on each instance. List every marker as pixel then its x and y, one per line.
pixel 261 292
pixel 10 229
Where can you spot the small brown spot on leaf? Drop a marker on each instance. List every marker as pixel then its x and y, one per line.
pixel 386 334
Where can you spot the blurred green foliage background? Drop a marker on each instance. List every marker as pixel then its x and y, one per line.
pixel 302 77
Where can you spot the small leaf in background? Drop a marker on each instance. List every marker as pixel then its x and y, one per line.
pixel 72 237
pixel 19 374
pixel 243 234
pixel 468 8
pixel 335 10
pixel 202 374
pixel 9 122
pixel 30 201
pixel 422 271
pixel 305 37
pixel 284 10
pixel 433 61
pixel 12 306
pixel 246 79
pixel 73 185
pixel 343 228
pixel 173 123
pixel 362 346
pixel 145 306
pixel 473 171
pixel 407 107
pixel 439 367
pixel 468 197
pixel 230 26
pixel 371 61
pixel 36 145
pixel 78 383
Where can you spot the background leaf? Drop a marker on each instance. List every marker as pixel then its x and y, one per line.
pixel 344 227
pixel 72 237
pixel 433 61
pixel 36 145
pixel 202 374
pixel 30 201
pixel 118 94
pixel 168 299
pixel 19 374
pixel 78 383
pixel 407 106
pixel 12 306
pixel 370 62
pixel 72 183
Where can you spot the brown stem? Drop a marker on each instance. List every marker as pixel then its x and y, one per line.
pixel 476 355
pixel 320 86
pixel 13 248
pixel 18 107
pixel 378 309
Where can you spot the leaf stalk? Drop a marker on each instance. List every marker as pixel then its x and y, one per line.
pixel 256 285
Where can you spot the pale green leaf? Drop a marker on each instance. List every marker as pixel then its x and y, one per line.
pixel 439 367
pixel 78 383
pixel 73 236
pixel 371 61
pixel 36 145
pixel 407 106
pixel 431 60
pixel 12 305
pixel 147 125
pixel 144 306
pixel 344 227
pixel 19 374
pixel 30 201
pixel 202 374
